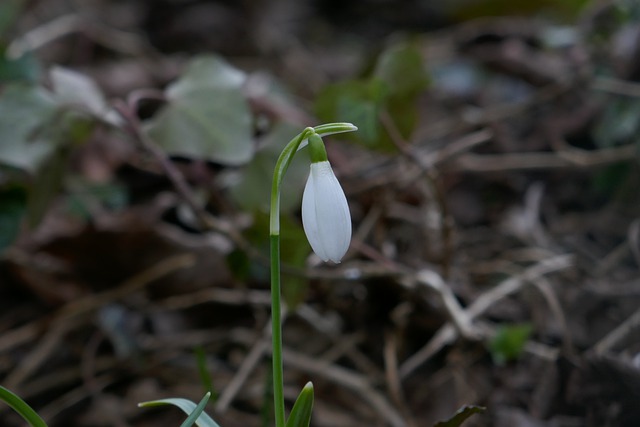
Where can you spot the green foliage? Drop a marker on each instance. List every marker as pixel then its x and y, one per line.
pixel 619 123
pixel 22 69
pixel 9 11
pixel 400 68
pixel 616 181
pixel 77 91
pixel 294 251
pixel 195 414
pixel 301 413
pixel 21 407
pixel 39 129
pixel 358 102
pixel 86 194
pixel 508 343
pixel 203 371
pixel 461 416
pixel 240 264
pixel 194 411
pixel 398 78
pixel 207 115
pixel 568 9
pixel 252 191
pixel 46 185
pixel 629 10
pixel 13 205
pixel 25 112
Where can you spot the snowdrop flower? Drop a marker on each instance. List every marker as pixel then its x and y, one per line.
pixel 325 211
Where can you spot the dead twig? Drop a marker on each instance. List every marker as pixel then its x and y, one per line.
pixel 38 355
pixel 128 111
pixel 247 366
pixel 357 383
pixel 392 377
pixel 457 315
pixel 616 86
pixel 89 303
pixel 447 333
pixel 431 176
pixel 527 161
pixel 349 380
pixel 618 335
pixel 117 40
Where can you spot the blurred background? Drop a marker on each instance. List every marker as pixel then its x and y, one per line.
pixel 493 186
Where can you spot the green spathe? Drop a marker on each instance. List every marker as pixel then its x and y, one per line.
pixel 317 152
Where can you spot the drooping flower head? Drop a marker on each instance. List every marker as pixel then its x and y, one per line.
pixel 325 212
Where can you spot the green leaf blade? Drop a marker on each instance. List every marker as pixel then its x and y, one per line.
pixel 21 407
pixel 461 416
pixel 187 406
pixel 509 341
pixel 301 413
pixel 13 207
pixel 196 412
pixel 207 115
pixel 24 110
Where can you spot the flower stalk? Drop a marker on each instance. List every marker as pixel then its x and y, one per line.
pixel 318 155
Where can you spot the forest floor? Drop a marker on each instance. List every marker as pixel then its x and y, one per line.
pixel 495 258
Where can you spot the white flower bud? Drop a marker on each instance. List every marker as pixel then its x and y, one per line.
pixel 325 213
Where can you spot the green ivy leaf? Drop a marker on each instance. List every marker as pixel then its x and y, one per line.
pixel 461 416
pixel 252 188
pixel 401 68
pixel 25 68
pixel 397 80
pixel 207 115
pixel 207 71
pixel 24 111
pixel 509 342
pixel 74 89
pixel 358 102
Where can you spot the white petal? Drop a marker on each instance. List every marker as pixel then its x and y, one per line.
pixel 325 213
pixel 309 221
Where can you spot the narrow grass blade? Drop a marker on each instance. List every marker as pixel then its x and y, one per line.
pixel 187 406
pixel 301 412
pixel 459 417
pixel 21 407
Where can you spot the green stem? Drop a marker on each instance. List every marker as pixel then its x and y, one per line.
pixel 276 332
pixel 276 319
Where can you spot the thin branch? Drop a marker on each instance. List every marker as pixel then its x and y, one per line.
pixel 206 220
pixel 447 333
pixel 431 175
pixel 527 161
